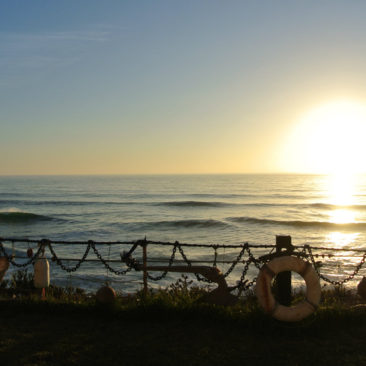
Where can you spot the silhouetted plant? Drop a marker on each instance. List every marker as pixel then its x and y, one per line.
pixel 4 284
pixel 21 280
pixel 66 294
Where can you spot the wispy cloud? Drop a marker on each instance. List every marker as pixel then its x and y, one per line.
pixel 25 44
pixel 22 54
pixel 90 36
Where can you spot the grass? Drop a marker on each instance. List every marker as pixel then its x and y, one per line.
pixel 171 327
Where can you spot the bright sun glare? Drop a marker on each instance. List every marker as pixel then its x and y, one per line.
pixel 329 140
pixel 341 190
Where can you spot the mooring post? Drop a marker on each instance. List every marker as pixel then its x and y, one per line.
pixel 144 264
pixel 283 280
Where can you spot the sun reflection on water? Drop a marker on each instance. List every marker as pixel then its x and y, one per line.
pixel 341 195
pixel 342 240
pixel 341 189
pixel 341 216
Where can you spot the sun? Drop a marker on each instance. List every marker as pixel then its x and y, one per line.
pixel 330 139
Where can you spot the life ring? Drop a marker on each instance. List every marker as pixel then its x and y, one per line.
pixel 268 302
pixel 4 265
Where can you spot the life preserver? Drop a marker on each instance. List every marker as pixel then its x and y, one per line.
pixel 268 302
pixel 4 265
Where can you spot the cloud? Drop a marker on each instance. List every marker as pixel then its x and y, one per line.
pixel 25 53
pixel 40 37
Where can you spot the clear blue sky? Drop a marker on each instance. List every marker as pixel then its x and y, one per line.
pixel 95 87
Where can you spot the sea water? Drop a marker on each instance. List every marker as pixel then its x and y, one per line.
pixel 328 211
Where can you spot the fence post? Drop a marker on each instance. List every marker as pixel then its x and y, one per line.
pixel 144 264
pixel 282 285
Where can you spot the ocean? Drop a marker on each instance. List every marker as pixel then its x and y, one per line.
pixel 327 211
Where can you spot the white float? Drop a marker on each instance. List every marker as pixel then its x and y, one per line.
pixel 41 272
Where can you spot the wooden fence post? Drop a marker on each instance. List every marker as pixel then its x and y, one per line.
pixel 282 285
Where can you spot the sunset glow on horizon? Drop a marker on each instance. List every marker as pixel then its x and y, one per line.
pixel 182 87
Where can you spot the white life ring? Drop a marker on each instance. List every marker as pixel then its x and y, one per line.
pixel 268 302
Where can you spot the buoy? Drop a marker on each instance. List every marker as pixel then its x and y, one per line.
pixel 41 272
pixel 361 288
pixel 4 265
pixel 268 302
pixel 106 295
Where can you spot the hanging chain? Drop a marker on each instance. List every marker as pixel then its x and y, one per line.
pixel 60 263
pixel 120 273
pixel 189 263
pixel 109 255
pixel 326 279
pixel 163 275
pixel 242 283
pixel 20 265
pixel 235 262
pixel 215 257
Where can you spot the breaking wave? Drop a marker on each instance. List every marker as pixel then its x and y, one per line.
pixel 21 217
pixel 195 204
pixel 64 203
pixel 176 224
pixel 299 224
pixel 329 206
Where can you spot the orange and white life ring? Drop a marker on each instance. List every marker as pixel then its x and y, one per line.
pixel 268 302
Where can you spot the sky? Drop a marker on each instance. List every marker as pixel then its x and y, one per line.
pixel 171 87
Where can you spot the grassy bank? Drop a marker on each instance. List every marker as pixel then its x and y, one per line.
pixel 49 333
pixel 172 327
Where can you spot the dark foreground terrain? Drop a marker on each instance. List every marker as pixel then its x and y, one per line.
pixel 46 333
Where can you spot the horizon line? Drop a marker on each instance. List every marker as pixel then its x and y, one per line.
pixel 159 174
